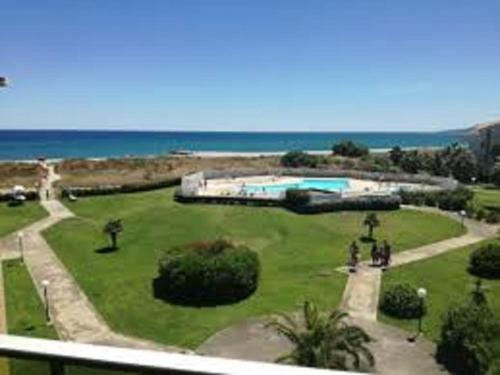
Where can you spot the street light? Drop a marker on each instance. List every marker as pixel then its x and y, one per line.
pixel 462 214
pixel 421 293
pixel 20 242
pixel 45 284
pixel 473 180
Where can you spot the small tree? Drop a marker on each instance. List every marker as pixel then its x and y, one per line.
pixel 113 228
pixel 371 221
pixel 325 341
pixel 396 154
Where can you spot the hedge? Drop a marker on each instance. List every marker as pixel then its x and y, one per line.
pixel 485 262
pixel 453 200
pixel 118 189
pixel 361 203
pixel 30 195
pixel 207 274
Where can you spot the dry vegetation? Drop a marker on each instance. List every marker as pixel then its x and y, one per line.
pixel 17 174
pixel 120 171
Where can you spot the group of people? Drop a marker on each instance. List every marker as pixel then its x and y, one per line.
pixel 381 255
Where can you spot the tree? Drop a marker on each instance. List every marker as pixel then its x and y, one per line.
pixel 468 333
pixel 113 228
pixel 411 162
pixel 350 149
pixel 396 154
pixel 371 221
pixel 495 177
pixel 324 341
pixel 297 159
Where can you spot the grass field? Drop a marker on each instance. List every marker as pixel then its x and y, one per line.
pixel 448 283
pixel 487 198
pixel 25 317
pixel 16 217
pixel 298 255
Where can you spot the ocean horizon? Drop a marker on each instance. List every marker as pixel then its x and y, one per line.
pixel 65 144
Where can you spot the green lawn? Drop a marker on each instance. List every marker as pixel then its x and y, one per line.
pixel 26 317
pixel 298 254
pixel 447 282
pixel 487 198
pixel 16 217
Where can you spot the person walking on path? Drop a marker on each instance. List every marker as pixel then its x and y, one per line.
pixel 375 254
pixel 386 254
pixel 353 256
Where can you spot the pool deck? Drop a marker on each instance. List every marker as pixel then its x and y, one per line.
pixel 235 186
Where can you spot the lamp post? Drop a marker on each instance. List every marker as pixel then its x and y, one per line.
pixel 45 284
pixel 473 180
pixel 421 293
pixel 462 214
pixel 20 242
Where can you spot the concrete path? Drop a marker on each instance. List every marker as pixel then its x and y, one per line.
pixel 361 295
pixel 395 355
pixel 73 316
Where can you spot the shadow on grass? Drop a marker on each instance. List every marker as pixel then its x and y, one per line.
pixel 165 294
pixel 106 250
pixel 366 239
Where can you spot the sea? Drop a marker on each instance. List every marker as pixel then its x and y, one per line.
pixel 66 144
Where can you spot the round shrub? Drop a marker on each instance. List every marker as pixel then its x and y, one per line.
pixel 485 262
pixel 401 301
pixel 207 274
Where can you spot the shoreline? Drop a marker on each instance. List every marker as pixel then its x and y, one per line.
pixel 213 154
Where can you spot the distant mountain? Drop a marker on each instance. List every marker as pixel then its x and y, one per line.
pixel 472 129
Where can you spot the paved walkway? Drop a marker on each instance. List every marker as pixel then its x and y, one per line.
pixel 73 316
pixel 361 295
pixel 395 355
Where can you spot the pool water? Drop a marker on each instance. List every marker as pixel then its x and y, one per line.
pixel 330 184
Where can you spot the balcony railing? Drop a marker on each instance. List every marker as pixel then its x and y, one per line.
pixel 59 354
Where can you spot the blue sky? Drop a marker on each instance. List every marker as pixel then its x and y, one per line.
pixel 249 65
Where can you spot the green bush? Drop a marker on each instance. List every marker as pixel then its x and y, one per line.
pixel 480 214
pixel 454 200
pixel 495 176
pixel 485 262
pixel 362 203
pixel 207 274
pixel 401 301
pixel 492 217
pixel 297 197
pixel 296 159
pixel 120 189
pixel 467 334
pixel 350 149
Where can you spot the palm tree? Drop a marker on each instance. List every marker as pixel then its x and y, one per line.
pixel 113 228
pixel 324 341
pixel 371 221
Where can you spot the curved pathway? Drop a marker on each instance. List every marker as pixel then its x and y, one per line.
pixel 360 298
pixel 73 316
pixel 395 354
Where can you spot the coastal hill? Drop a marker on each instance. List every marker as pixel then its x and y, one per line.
pixel 473 130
